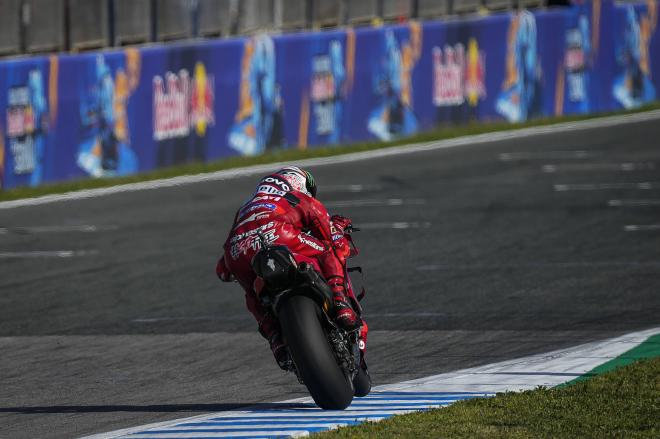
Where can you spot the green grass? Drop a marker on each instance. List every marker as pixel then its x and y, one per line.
pixel 285 155
pixel 624 402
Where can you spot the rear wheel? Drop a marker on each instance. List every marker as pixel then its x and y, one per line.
pixel 312 354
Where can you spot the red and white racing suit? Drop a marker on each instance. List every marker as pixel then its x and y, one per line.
pixel 282 216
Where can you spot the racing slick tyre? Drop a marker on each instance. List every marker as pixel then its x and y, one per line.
pixel 312 355
pixel 362 383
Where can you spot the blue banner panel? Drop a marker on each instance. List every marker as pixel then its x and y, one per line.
pixel 28 102
pixel 117 113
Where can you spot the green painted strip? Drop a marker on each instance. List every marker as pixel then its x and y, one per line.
pixel 650 348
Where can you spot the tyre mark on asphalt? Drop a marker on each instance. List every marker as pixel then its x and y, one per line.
pixel 576 264
pixel 84 228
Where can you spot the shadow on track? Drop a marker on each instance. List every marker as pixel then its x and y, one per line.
pixel 157 408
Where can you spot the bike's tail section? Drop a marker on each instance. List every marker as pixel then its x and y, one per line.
pixel 313 356
pixel 326 358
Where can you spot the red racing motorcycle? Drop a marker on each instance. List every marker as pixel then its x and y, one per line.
pixel 325 358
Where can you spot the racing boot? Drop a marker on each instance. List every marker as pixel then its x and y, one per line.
pixel 345 317
pixel 269 329
pixel 280 353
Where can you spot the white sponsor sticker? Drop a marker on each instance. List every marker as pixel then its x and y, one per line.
pixel 310 243
pixel 270 190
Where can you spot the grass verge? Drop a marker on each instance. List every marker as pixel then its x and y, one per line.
pixel 624 402
pixel 283 155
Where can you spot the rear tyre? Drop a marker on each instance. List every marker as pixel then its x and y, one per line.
pixel 362 383
pixel 311 353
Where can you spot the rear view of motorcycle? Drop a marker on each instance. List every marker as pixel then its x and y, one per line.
pixel 328 360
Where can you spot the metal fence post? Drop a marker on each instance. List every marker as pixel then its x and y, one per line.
pixel 24 20
pixel 194 18
pixel 153 13
pixel 343 12
pixel 111 23
pixel 309 14
pixel 278 14
pixel 238 22
pixel 67 25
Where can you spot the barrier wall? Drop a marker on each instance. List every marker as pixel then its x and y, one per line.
pixel 117 113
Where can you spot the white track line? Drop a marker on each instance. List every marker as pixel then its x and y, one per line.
pixel 85 228
pixel 546 155
pixel 623 167
pixel 645 185
pixel 641 227
pixel 633 203
pixel 47 254
pixel 345 158
pixel 390 202
pixel 394 225
pixel 300 417
pixel 351 187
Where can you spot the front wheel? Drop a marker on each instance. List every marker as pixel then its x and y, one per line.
pixel 311 352
pixel 362 382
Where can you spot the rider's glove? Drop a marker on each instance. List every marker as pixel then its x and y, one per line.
pixel 341 245
pixel 340 223
pixel 223 272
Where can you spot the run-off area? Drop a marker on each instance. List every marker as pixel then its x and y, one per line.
pixel 468 259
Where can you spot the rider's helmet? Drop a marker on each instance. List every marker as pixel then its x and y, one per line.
pixel 299 179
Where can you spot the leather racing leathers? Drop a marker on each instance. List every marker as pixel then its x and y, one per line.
pixel 292 218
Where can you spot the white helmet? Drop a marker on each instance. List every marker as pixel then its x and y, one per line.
pixel 299 179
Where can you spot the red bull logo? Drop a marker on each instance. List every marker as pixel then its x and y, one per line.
pixel 323 87
pixel 323 93
pixel 24 123
pixel 574 60
pixel 20 116
pixel 458 76
pixel 182 103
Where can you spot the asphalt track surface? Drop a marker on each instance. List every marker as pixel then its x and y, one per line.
pixel 488 260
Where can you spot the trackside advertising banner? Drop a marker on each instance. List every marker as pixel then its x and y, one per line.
pixel 121 112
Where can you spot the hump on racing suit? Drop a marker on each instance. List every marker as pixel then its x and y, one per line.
pixel 279 200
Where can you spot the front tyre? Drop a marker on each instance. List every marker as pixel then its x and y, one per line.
pixel 362 382
pixel 311 352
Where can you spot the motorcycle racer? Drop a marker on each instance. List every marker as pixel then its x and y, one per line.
pixel 284 211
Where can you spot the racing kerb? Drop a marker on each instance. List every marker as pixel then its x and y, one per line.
pixel 300 417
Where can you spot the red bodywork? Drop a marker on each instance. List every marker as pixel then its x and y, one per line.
pixel 283 216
